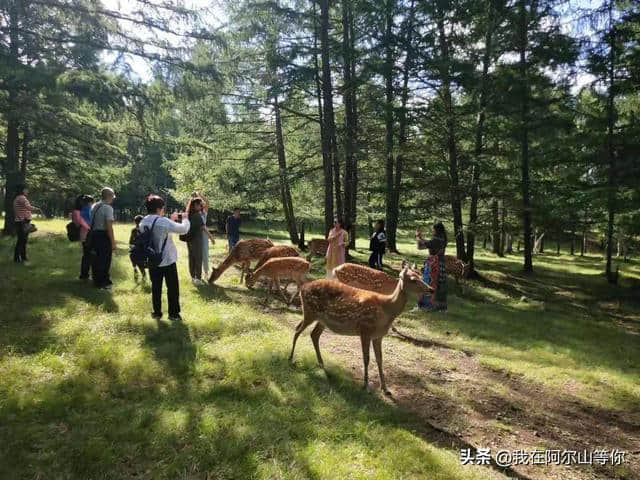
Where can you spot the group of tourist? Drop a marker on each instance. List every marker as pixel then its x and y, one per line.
pixel 94 222
pixel 433 272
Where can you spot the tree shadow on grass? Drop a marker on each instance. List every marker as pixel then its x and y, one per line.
pixel 172 345
pixel 258 416
pixel 526 332
pixel 28 294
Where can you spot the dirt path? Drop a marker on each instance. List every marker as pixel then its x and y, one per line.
pixel 464 404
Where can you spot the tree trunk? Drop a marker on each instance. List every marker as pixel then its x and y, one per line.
pixel 495 227
pixel 573 242
pixel 509 244
pixel 350 134
pixel 328 142
pixel 301 243
pixel 611 119
pixel 26 138
pixel 394 214
pixel 524 140
pixel 479 137
pixel 391 210
pixel 356 153
pixel 503 230
pixel 13 174
pixel 285 191
pixel 445 73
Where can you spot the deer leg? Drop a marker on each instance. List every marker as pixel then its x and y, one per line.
pixel 315 338
pixel 294 293
pixel 299 329
pixel 279 290
pixel 245 269
pixel 377 349
pixel 365 340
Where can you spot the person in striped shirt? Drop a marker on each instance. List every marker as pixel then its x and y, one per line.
pixel 22 212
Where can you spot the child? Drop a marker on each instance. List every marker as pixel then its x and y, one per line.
pixel 377 246
pixel 132 241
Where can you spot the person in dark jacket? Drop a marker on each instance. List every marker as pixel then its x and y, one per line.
pixel 135 232
pixel 233 228
pixel 195 239
pixel 378 246
pixel 434 273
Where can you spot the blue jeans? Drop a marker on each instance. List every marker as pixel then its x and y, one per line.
pixel 232 242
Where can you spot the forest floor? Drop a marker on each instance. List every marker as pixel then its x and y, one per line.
pixel 92 387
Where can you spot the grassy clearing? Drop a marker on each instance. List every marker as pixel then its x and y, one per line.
pixel 570 327
pixel 92 387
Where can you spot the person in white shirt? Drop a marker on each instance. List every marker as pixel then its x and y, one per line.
pixel 166 271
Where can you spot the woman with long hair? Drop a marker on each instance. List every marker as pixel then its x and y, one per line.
pixel 434 273
pixel 338 240
pixel 194 239
pixel 206 234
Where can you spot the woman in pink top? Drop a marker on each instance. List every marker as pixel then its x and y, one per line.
pixel 338 240
pixel 76 217
pixel 22 211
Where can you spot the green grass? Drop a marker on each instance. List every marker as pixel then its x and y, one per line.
pixel 92 387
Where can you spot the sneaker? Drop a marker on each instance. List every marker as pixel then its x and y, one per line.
pixel 197 282
pixel 107 287
pixel 175 318
pixel 156 316
pixel 83 277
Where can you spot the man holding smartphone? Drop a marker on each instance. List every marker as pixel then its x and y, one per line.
pixel 166 271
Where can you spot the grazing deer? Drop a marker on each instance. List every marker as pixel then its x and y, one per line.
pixel 244 252
pixel 277 251
pixel 317 246
pixel 359 276
pixel 276 269
pixel 352 311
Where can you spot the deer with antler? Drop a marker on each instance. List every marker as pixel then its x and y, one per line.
pixel 283 268
pixel 244 252
pixel 347 310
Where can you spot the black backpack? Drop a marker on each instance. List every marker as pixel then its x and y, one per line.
pixel 144 253
pixel 73 232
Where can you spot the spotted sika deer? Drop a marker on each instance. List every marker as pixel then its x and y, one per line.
pixel 277 251
pixel 285 268
pixel 318 247
pixel 352 311
pixel 244 252
pixel 359 276
pixel 455 267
